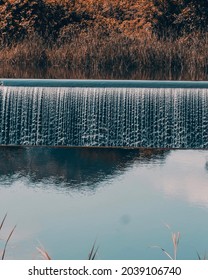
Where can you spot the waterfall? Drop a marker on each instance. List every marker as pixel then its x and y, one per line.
pixel 110 117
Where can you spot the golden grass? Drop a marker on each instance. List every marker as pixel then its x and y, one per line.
pixel 114 56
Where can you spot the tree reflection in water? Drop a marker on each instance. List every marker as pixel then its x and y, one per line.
pixel 75 167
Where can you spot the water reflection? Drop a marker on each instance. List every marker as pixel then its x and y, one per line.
pixel 141 190
pixel 31 72
pixel 71 167
pixel 184 177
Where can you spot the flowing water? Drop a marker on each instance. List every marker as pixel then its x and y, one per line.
pixel 109 117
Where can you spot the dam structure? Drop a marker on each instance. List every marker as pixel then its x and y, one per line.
pixel 98 113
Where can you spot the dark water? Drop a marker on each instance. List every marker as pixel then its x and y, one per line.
pixel 109 117
pixel 65 199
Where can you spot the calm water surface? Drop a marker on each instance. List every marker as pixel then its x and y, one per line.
pixel 65 199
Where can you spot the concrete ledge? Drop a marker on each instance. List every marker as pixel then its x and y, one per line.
pixel 102 83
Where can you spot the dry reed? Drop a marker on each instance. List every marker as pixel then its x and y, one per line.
pixel 90 55
pixel 175 237
pixel 43 253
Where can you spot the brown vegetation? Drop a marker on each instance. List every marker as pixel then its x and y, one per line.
pixel 104 39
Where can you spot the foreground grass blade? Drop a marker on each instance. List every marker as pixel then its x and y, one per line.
pixel 175 237
pixel 2 223
pixel 164 251
pixel 44 253
pixel 175 240
pixel 5 246
pixel 202 258
pixel 93 252
pixel 199 257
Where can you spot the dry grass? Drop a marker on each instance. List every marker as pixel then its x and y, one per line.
pixel 91 256
pixel 90 55
pixel 175 238
pixel 104 39
pixel 43 253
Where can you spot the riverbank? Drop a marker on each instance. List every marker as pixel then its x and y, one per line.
pixel 103 40
pixel 90 55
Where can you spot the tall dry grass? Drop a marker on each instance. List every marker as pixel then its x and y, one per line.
pixel 93 55
pixel 175 238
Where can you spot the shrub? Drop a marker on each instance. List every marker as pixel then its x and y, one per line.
pixel 173 18
pixel 20 18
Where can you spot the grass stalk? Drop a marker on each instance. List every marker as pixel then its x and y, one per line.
pixel 43 253
pixel 8 238
pixel 175 238
pixel 6 243
pixel 2 223
pixel 93 252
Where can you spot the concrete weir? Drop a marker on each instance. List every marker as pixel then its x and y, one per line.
pixel 103 83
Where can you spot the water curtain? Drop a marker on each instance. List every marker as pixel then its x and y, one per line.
pixel 109 117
